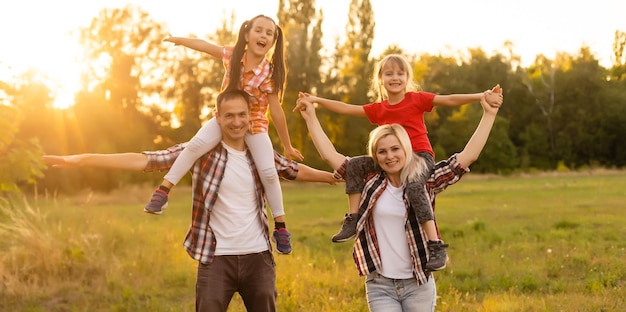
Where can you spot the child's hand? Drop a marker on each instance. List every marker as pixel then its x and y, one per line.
pixel 306 109
pixel 497 89
pixel 171 39
pixel 303 100
pixel 293 153
pixel 488 108
pixel 494 96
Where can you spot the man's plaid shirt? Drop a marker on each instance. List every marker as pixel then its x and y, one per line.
pixel 366 252
pixel 207 173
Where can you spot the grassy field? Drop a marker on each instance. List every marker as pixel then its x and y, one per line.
pixel 525 243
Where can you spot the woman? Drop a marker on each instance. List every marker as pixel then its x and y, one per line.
pixel 391 248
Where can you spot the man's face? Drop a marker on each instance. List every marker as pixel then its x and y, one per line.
pixel 234 120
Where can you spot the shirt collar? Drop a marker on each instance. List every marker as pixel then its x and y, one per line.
pixel 259 68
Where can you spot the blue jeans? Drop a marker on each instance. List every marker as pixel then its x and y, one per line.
pixel 253 276
pixel 405 295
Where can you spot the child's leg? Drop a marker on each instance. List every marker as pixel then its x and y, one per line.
pixel 421 205
pixel 437 256
pixel 356 171
pixel 437 249
pixel 262 152
pixel 205 139
pixel 418 197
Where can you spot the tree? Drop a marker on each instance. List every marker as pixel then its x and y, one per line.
pixel 194 81
pixel 540 83
pixel 302 26
pixel 20 160
pixel 352 81
pixel 619 57
pixel 123 46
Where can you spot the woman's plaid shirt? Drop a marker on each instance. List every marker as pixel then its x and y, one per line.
pixel 207 173
pixel 366 252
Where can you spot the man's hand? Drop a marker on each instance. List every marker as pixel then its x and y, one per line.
pixel 61 161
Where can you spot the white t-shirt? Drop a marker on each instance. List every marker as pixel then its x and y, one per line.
pixel 390 216
pixel 235 217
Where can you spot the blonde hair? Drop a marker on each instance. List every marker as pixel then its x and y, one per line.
pixel 414 166
pixel 391 59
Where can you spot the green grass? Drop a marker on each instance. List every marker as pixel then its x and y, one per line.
pixel 524 243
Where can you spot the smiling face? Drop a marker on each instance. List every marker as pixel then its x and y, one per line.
pixel 233 117
pixel 261 36
pixel 390 155
pixel 394 78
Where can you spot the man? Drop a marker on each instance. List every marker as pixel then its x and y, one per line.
pixel 229 233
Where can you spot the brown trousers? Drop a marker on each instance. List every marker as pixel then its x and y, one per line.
pixel 253 276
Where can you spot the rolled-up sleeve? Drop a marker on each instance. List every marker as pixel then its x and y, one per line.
pixel 162 160
pixel 446 173
pixel 287 169
pixel 340 173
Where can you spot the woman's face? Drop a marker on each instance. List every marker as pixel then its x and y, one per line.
pixel 390 155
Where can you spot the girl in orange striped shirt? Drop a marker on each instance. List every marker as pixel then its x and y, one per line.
pixel 264 80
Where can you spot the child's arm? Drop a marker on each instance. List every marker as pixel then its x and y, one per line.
pixel 197 44
pixel 280 122
pixel 493 98
pixel 456 99
pixel 332 105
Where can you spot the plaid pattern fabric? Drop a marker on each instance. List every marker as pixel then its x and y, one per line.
pixel 207 173
pixel 366 252
pixel 256 82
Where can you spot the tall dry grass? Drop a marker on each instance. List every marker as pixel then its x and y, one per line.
pixel 522 243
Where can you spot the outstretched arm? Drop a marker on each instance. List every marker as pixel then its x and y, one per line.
pixel 280 123
pixel 126 161
pixel 332 105
pixel 475 145
pixel 197 44
pixel 493 97
pixel 309 174
pixel 321 141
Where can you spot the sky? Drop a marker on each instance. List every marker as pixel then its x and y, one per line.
pixel 38 33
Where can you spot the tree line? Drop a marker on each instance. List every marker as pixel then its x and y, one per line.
pixel 138 93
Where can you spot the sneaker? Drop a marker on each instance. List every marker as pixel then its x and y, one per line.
pixel 157 203
pixel 348 229
pixel 437 256
pixel 282 238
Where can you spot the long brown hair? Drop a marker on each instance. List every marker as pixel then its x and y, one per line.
pixel 279 67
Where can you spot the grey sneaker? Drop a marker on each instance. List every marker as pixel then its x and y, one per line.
pixel 348 229
pixel 437 256
pixel 282 238
pixel 157 203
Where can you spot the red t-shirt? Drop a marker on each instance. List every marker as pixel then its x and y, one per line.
pixel 409 113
